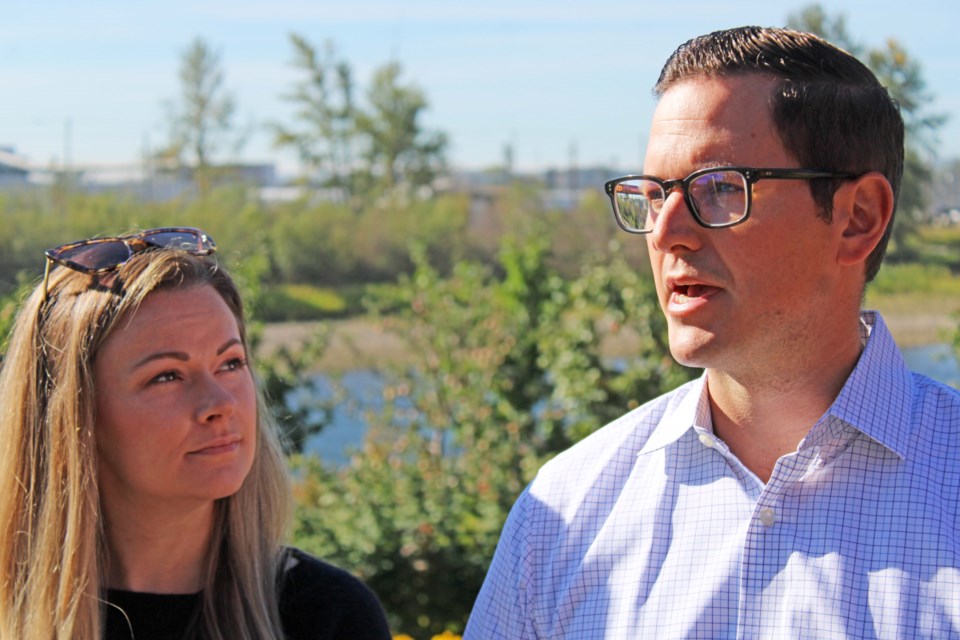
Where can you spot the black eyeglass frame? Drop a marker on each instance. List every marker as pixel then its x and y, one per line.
pixel 751 175
pixel 205 246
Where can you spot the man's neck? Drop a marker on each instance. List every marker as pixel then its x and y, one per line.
pixel 764 415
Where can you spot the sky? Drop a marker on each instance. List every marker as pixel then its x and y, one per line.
pixel 562 83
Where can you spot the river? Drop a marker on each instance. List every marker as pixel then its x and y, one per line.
pixel 363 395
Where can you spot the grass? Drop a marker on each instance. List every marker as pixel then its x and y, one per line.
pixel 920 302
pixel 298 302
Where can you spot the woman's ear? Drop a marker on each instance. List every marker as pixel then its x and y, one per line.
pixel 864 207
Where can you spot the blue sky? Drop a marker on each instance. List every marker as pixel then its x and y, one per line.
pixel 560 81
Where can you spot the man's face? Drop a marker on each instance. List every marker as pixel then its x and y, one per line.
pixel 744 297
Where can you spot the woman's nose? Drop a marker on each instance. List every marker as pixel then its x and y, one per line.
pixel 214 400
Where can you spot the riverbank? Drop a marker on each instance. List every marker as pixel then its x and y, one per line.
pixel 360 343
pixel 918 319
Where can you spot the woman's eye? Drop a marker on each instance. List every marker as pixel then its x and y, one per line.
pixel 166 376
pixel 234 364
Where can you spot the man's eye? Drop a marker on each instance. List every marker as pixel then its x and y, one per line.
pixel 728 187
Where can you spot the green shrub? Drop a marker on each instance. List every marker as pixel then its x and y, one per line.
pixel 507 371
pixel 915 278
pixel 300 302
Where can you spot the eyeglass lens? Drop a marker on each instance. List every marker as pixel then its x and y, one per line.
pixel 96 256
pixel 718 198
pixel 183 240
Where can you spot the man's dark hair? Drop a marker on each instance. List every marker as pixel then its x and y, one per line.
pixel 829 109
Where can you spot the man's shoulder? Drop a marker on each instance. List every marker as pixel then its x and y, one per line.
pixel 606 457
pixel 936 416
pixel 940 393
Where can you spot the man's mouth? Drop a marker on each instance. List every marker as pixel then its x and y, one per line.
pixel 689 298
pixel 685 292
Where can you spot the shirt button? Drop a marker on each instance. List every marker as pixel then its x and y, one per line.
pixel 768 516
pixel 706 440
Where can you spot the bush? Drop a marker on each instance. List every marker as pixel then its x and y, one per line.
pixel 915 278
pixel 509 371
pixel 300 302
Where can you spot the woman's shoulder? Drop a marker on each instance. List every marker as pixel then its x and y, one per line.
pixel 321 601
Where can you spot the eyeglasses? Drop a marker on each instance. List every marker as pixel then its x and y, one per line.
pixel 717 197
pixel 99 255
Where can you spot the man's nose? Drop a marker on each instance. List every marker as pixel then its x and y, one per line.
pixel 675 228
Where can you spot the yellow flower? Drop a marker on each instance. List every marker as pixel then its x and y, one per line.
pixel 446 635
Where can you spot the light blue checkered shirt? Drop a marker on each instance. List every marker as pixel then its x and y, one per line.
pixel 651 528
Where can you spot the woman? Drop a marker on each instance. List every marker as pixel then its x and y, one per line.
pixel 143 493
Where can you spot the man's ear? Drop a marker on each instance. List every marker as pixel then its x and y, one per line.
pixel 864 208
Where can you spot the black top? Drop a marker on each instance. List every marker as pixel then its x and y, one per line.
pixel 317 602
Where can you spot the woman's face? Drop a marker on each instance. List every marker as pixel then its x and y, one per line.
pixel 175 402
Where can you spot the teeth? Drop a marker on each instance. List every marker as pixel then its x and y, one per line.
pixel 689 291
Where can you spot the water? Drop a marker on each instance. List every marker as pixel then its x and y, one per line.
pixel 364 395
pixel 363 391
pixel 939 361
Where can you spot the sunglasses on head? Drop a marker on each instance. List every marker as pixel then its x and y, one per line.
pixel 100 255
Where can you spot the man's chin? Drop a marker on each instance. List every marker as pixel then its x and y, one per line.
pixel 693 347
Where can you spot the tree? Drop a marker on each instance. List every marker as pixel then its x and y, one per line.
pixel 363 151
pixel 903 78
pixel 396 148
pixel 325 112
pixel 202 118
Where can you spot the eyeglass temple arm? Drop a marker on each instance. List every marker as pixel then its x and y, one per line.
pixel 46 277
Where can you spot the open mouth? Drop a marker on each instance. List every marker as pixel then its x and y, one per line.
pixel 687 298
pixel 684 291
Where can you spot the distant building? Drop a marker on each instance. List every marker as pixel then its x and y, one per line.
pixel 14 168
pixel 577 179
pixel 152 180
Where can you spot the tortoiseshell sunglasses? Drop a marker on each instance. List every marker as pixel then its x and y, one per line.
pixel 99 255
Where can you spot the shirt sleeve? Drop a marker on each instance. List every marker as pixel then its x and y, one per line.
pixel 501 610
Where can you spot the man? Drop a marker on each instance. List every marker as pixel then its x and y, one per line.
pixel 808 485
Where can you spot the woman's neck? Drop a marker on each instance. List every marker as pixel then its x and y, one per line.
pixel 155 552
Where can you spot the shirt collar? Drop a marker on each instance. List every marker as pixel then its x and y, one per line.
pixel 877 397
pixel 686 410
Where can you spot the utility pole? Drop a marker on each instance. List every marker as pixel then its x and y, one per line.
pixel 67 143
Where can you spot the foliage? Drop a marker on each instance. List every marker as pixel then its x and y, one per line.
pixel 321 244
pixel 292 302
pixel 509 370
pixel 360 152
pixel 396 149
pixel 295 403
pixel 903 77
pixel 9 305
pixel 956 337
pixel 925 278
pixel 324 105
pixel 202 118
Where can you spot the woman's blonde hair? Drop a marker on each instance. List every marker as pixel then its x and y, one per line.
pixel 52 549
